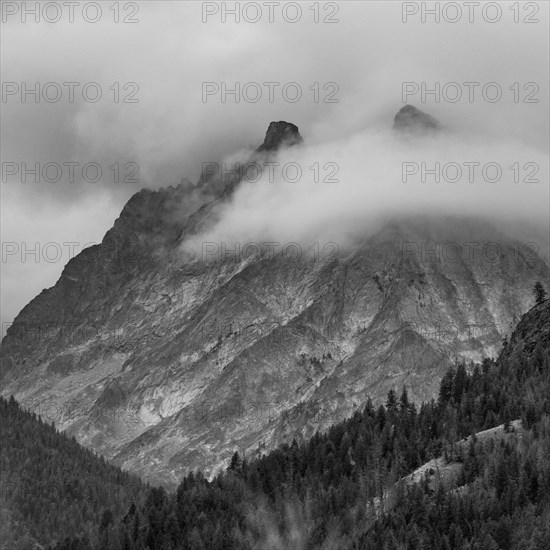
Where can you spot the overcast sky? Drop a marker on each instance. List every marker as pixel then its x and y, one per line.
pixel 167 129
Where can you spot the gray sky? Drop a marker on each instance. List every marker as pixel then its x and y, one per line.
pixel 171 130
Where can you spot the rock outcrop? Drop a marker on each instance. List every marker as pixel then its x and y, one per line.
pixel 411 119
pixel 280 134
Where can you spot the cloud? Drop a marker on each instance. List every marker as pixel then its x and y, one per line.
pixel 171 131
pixel 348 185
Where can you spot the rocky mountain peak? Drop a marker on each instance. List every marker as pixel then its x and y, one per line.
pixel 411 119
pixel 165 364
pixel 279 134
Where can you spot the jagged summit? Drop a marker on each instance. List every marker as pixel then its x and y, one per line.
pixel 278 134
pixel 411 119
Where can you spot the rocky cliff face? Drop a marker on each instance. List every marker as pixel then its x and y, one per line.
pixel 166 363
pixel 280 134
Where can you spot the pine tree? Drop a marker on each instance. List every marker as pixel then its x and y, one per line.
pixel 391 403
pixel 235 464
pixel 539 292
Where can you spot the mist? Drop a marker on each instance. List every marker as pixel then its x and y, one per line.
pixel 339 190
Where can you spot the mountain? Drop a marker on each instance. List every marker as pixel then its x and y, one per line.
pixel 490 489
pixel 469 470
pixel 164 362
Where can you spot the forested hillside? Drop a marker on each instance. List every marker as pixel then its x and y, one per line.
pixel 53 488
pixel 331 492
